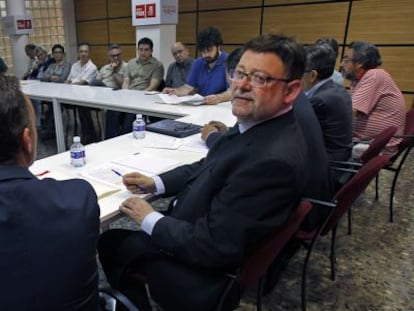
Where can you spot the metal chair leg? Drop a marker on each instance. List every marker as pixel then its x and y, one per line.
pixel 333 255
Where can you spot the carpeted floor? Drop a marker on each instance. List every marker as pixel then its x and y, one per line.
pixel 375 269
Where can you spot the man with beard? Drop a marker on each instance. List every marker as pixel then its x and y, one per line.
pixel 208 72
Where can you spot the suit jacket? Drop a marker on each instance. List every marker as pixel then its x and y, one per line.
pixel 333 107
pixel 227 203
pixel 48 235
pixel 319 183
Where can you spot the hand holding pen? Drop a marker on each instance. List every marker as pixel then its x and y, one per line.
pixel 137 183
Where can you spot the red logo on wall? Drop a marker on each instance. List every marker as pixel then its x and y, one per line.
pixel 24 24
pixel 140 11
pixel 150 9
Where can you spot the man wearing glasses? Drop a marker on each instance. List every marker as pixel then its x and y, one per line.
pixel 377 102
pixel 112 74
pixel 178 71
pixel 208 72
pixel 226 203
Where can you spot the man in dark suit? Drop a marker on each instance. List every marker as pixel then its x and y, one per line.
pixel 331 101
pixel 48 235
pixel 226 203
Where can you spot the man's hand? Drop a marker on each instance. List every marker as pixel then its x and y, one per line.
pixel 136 208
pixel 213 126
pixel 169 91
pixel 138 183
pixel 212 99
pixel 115 65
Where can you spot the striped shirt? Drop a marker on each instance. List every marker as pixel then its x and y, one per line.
pixel 380 104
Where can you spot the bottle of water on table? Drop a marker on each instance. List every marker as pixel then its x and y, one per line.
pixel 138 127
pixel 77 153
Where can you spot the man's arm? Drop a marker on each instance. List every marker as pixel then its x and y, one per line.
pixel 218 98
pixel 125 83
pixel 242 213
pixel 180 91
pixel 153 86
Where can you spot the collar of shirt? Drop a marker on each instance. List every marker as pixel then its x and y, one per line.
pixel 309 93
pixel 243 127
pixel 151 60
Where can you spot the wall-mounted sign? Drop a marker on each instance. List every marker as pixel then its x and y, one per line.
pixel 18 24
pixel 154 12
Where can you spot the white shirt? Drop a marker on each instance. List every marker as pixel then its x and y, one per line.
pixel 86 72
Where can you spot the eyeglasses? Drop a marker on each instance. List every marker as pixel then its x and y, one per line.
pixel 256 79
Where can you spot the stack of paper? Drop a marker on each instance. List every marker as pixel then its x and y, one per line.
pixel 195 99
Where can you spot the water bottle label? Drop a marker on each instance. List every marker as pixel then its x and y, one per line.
pixel 77 154
pixel 139 128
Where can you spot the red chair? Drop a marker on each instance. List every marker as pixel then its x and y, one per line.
pixel 254 267
pixel 376 146
pixel 404 148
pixel 342 203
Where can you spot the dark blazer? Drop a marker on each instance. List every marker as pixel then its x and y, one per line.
pixel 318 184
pixel 333 107
pixel 226 204
pixel 48 235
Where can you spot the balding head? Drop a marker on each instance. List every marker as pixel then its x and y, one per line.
pixel 179 51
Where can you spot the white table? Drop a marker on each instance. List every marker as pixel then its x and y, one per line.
pixel 121 100
pixel 111 149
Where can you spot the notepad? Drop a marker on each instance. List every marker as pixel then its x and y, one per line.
pixel 147 164
pixel 174 128
pixel 194 100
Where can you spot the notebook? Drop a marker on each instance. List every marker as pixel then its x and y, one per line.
pixel 174 128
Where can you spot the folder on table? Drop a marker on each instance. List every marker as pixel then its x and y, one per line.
pixel 174 128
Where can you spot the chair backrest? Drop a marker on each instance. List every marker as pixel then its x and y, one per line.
pixel 347 195
pixel 409 130
pixel 255 265
pixel 378 144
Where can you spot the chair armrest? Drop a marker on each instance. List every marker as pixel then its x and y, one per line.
pixel 344 169
pixel 350 163
pixel 119 297
pixel 320 202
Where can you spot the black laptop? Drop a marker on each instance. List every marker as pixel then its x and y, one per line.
pixel 174 128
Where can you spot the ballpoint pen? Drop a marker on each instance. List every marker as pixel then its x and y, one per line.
pixel 119 174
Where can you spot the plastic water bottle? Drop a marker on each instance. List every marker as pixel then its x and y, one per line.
pixel 138 127
pixel 77 153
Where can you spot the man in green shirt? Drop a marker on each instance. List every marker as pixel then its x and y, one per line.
pixel 144 73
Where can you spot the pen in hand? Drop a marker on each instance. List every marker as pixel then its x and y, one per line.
pixel 138 186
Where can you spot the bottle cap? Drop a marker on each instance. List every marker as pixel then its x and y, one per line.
pixel 139 116
pixel 76 139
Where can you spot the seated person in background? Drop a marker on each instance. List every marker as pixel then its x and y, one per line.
pixel 48 228
pixel 59 70
pixel 57 73
pixel 208 72
pixel 213 130
pixel 143 73
pixel 112 75
pixel 3 66
pixel 377 103
pixel 29 49
pixel 219 214
pixel 330 101
pixel 83 72
pixel 337 77
pixel 43 62
pixel 178 71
